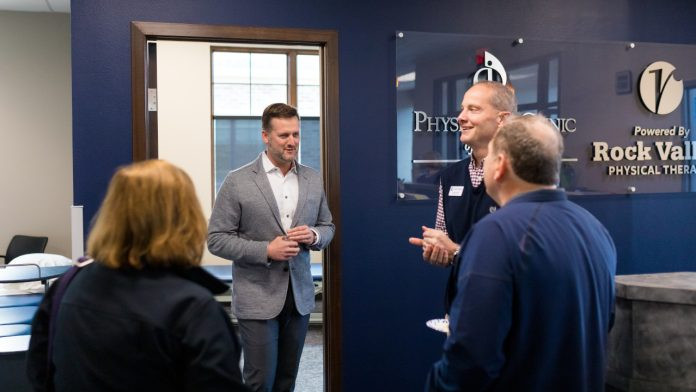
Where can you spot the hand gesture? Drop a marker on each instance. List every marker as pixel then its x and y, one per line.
pixel 301 234
pixel 438 249
pixel 282 249
pixel 437 255
pixel 440 238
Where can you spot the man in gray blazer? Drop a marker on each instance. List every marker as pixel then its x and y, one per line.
pixel 267 216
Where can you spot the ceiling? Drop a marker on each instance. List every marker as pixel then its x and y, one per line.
pixel 62 6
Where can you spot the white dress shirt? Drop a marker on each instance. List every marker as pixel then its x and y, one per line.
pixel 286 192
pixel 285 189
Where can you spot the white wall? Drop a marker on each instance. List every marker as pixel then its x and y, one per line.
pixel 184 123
pixel 35 128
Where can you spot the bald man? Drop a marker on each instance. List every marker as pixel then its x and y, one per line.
pixel 535 283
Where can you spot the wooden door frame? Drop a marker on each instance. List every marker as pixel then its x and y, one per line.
pixel 145 137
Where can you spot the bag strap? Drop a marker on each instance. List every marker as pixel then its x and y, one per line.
pixel 61 287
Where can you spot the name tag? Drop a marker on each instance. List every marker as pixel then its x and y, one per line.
pixel 456 190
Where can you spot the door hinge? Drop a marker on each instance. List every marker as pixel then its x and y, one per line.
pixel 152 100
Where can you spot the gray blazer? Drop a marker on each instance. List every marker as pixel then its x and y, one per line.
pixel 245 219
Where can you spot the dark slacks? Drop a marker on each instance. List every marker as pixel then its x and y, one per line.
pixel 272 349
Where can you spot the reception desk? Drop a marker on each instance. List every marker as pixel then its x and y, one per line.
pixel 652 346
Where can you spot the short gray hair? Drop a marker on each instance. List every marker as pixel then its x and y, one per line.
pixel 503 97
pixel 534 147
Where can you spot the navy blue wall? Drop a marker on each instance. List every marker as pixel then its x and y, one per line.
pixel 388 292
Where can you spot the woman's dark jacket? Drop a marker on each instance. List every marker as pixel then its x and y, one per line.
pixel 126 330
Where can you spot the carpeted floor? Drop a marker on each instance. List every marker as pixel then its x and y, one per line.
pixel 310 377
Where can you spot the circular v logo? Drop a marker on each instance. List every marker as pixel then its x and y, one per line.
pixel 660 91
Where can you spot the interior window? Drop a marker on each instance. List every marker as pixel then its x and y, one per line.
pixel 245 81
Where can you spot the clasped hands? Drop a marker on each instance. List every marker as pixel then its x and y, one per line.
pixel 438 248
pixel 287 246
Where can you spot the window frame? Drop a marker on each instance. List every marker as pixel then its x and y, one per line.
pixel 291 83
pixel 291 68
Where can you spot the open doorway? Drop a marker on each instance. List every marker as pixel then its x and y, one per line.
pixel 225 45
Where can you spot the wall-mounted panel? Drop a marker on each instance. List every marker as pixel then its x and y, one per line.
pixel 625 110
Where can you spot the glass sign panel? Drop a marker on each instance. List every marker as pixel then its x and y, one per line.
pixel 625 110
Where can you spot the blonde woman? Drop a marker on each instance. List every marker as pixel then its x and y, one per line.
pixel 142 317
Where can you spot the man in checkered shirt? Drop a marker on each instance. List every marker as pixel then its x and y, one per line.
pixel 462 198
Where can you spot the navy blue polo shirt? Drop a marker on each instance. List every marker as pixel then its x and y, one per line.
pixel 534 299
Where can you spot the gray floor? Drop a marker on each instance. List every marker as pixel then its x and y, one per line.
pixel 310 377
